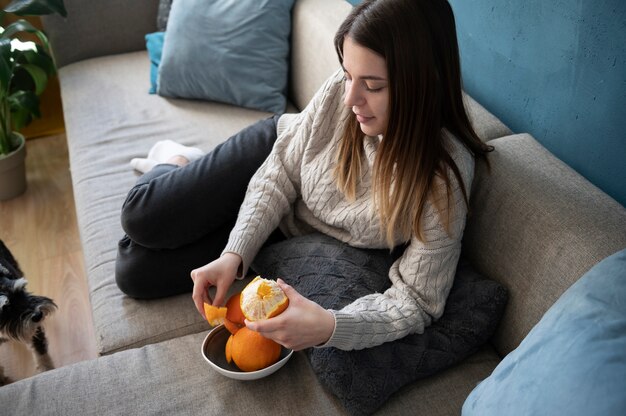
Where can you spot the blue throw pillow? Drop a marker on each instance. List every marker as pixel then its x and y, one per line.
pixel 154 45
pixel 230 51
pixel 573 362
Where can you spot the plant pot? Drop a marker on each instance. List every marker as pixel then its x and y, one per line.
pixel 13 173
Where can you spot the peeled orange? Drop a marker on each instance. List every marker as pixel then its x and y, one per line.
pixel 262 299
pixel 251 351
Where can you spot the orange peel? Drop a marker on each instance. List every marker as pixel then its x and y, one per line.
pixel 214 315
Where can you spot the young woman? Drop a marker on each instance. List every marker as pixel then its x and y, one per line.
pixel 382 156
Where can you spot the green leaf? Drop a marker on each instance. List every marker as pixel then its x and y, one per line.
pixel 39 58
pixel 23 26
pixel 38 75
pixel 21 80
pixel 5 48
pixel 18 26
pixel 5 64
pixel 25 99
pixel 36 7
pixel 21 118
pixel 24 106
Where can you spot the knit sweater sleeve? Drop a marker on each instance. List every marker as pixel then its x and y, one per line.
pixel 276 184
pixel 420 280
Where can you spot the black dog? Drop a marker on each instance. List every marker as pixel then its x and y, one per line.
pixel 21 313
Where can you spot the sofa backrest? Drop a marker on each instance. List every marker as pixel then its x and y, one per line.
pixel 313 57
pixel 104 27
pixel 537 226
pixel 313 60
pixel 95 28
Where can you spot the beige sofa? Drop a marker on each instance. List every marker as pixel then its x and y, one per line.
pixel 536 226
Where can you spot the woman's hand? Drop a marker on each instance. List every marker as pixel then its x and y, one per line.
pixel 303 324
pixel 219 273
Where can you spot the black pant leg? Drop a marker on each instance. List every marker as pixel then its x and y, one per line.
pixel 145 273
pixel 178 219
pixel 175 208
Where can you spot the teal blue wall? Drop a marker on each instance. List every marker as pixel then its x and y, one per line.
pixel 555 69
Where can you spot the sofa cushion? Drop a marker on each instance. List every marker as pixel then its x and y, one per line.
pixel 231 52
pixel 94 28
pixel 573 362
pixel 486 125
pixel 334 274
pixel 163 14
pixel 154 46
pixel 536 226
pixel 104 134
pixel 171 378
pixel 313 56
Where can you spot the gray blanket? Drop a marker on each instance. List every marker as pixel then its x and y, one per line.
pixel 334 274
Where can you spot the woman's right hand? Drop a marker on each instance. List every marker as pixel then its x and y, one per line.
pixel 219 273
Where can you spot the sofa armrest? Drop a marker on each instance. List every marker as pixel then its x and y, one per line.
pixel 99 27
pixel 536 226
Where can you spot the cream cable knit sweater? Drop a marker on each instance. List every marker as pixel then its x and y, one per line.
pixel 295 189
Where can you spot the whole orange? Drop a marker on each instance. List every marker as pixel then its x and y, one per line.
pixel 251 351
pixel 229 352
pixel 234 318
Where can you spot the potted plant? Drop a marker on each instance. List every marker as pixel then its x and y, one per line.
pixel 24 71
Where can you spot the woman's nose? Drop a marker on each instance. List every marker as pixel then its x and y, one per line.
pixel 353 96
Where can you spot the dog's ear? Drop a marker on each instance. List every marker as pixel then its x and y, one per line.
pixel 19 285
pixel 8 260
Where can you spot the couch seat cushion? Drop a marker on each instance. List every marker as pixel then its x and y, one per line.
pixel 110 118
pixel 171 378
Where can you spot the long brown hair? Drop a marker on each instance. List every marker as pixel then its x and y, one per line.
pixel 417 39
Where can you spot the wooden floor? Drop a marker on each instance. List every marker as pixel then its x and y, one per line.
pixel 40 229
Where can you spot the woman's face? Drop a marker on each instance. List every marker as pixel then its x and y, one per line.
pixel 367 87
